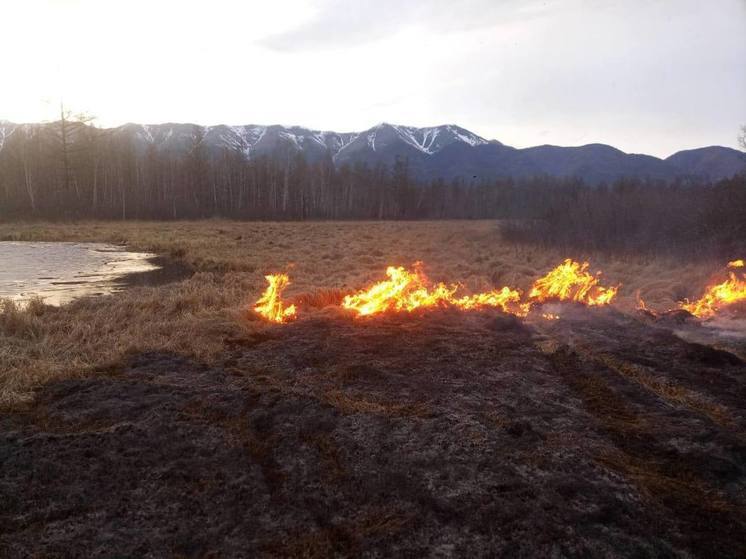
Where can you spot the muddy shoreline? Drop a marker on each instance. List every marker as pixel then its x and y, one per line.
pixel 168 270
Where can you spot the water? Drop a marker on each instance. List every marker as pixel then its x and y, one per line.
pixel 61 272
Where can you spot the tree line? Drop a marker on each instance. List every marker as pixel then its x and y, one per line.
pixel 71 170
pixel 692 220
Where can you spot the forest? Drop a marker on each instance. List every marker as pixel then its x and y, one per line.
pixel 71 170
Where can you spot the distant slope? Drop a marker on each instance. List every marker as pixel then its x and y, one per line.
pixel 594 163
pixel 714 162
pixel 597 163
pixel 447 151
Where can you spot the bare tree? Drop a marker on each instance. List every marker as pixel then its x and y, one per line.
pixel 742 137
pixel 64 135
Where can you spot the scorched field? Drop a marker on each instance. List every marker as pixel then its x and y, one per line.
pixel 376 389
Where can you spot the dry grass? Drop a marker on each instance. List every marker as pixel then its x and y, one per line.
pixel 324 260
pixel 42 342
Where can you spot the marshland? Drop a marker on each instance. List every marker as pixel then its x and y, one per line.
pixel 228 260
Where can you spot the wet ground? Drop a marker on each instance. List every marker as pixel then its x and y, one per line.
pixel 61 272
pixel 443 434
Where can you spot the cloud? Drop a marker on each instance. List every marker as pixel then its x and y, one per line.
pixel 346 23
pixel 644 75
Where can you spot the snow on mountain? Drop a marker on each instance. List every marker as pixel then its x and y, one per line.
pixel 250 139
pixel 426 140
pixel 255 139
pixel 385 142
pixel 433 139
pixel 445 151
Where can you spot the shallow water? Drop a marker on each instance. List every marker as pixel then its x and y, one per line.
pixel 61 272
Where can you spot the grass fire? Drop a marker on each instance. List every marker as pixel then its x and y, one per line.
pixel 720 295
pixel 270 305
pixel 410 290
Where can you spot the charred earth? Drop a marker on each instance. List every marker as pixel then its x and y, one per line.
pixel 437 433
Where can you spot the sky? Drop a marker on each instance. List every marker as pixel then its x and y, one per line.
pixel 647 76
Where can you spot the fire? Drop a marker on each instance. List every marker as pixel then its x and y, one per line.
pixel 270 304
pixel 506 299
pixel 403 290
pixel 570 281
pixel 732 290
pixel 406 290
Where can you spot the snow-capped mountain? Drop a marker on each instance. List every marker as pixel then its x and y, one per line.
pixel 382 142
pixel 425 140
pixel 385 142
pixel 446 151
pixel 250 139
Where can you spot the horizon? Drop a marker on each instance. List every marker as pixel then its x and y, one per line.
pixel 648 78
pixel 328 130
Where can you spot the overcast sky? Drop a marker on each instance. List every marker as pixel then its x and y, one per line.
pixel 651 76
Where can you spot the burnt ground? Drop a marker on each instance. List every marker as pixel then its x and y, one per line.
pixel 445 434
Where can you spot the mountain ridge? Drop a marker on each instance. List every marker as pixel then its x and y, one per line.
pixel 445 151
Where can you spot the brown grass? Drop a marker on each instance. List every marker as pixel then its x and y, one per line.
pixel 324 259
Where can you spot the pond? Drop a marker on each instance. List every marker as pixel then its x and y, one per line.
pixel 61 272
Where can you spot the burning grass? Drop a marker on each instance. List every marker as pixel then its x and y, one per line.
pixel 270 305
pixel 407 291
pixel 325 261
pixel 720 295
pixel 411 290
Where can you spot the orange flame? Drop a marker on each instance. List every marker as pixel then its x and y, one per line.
pixel 407 291
pixel 506 299
pixel 732 290
pixel 570 281
pixel 270 304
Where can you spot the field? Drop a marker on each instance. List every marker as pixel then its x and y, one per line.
pixel 170 420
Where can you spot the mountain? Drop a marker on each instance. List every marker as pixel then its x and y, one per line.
pixel 714 162
pixel 447 151
pixel 384 142
pixel 251 140
pixel 594 163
